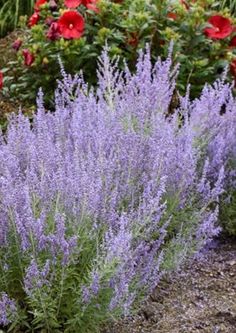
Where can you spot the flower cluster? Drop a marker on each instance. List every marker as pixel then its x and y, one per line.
pixel 70 24
pixel 101 197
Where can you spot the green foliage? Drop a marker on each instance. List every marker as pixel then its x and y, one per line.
pixel 228 4
pixel 10 12
pixel 228 213
pixel 126 26
pixel 181 241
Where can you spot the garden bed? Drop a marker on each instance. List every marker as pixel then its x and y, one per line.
pixel 121 177
pixel 201 298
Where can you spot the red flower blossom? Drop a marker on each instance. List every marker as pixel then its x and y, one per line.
pixel 28 57
pixel 72 3
pixel 53 32
pixel 233 42
pixel 33 19
pixel 38 4
pixel 1 80
pixel 221 27
pixel 17 44
pixel 71 25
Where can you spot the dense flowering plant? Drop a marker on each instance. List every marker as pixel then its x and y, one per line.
pixel 101 197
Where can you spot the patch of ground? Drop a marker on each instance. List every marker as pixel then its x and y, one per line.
pixel 6 52
pixel 199 299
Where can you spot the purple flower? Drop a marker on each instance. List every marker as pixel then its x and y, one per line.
pixel 8 310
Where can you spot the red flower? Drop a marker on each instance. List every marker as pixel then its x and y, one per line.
pixel 33 19
pixel 221 27
pixel 38 4
pixel 17 44
pixel 1 80
pixel 91 4
pixel 71 25
pixel 233 42
pixel 72 3
pixel 28 57
pixel 53 32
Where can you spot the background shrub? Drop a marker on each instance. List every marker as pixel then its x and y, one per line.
pixel 10 12
pixel 126 26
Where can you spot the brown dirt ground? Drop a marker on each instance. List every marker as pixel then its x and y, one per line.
pixel 199 299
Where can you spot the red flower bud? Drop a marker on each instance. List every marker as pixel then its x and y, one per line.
pixel 233 42
pixel 38 4
pixel 172 15
pixel 28 57
pixel 17 44
pixel 53 32
pixel 1 80
pixel 91 4
pixel 233 67
pixel 33 19
pixel 133 40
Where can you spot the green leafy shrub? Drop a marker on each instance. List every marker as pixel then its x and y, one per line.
pixel 126 26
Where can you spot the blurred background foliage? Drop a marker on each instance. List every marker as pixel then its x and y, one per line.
pixel 10 12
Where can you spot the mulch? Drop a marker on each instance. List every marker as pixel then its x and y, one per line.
pixel 201 298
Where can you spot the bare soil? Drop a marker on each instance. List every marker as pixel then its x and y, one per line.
pixel 199 299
